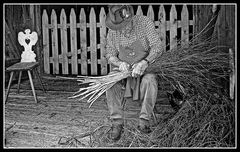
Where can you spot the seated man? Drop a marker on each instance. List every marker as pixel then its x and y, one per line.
pixel 132 44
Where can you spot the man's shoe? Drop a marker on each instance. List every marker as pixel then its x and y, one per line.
pixel 116 131
pixel 144 126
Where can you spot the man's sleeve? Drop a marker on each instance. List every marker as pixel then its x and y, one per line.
pixel 110 47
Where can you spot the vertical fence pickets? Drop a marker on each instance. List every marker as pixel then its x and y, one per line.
pixel 88 53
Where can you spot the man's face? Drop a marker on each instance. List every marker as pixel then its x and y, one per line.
pixel 119 13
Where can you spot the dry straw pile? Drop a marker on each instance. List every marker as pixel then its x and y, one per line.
pixel 207 117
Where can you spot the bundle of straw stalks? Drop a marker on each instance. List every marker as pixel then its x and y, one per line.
pixel 97 85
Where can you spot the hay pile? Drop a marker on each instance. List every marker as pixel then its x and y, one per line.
pixel 207 117
pixel 196 65
pixel 199 123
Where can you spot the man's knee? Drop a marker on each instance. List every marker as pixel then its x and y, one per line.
pixel 149 79
pixel 116 91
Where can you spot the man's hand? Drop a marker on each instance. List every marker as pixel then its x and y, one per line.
pixel 124 66
pixel 139 68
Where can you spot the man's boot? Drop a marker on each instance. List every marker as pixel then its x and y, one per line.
pixel 144 126
pixel 116 131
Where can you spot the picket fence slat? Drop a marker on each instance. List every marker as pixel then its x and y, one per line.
pixel 83 42
pixel 93 42
pixel 103 42
pixel 64 45
pixel 139 11
pixel 88 53
pixel 55 42
pixel 162 25
pixel 150 12
pixel 73 35
pixel 45 42
pixel 173 27
pixel 185 26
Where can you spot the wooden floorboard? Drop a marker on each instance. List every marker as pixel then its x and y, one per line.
pixel 30 124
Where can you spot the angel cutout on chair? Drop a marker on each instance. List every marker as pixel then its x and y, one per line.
pixel 27 41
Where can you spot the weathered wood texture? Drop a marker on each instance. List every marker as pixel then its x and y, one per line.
pixel 30 124
pixel 224 31
pixel 224 25
pixel 18 18
pixel 87 58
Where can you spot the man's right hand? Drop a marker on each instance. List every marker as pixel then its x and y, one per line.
pixel 124 66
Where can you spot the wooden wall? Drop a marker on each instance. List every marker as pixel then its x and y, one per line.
pixel 20 17
pixel 224 26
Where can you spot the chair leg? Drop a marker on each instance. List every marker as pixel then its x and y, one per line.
pixel 19 81
pixel 39 78
pixel 32 86
pixel 9 85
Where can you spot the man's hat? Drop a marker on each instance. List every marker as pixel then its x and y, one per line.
pixel 119 16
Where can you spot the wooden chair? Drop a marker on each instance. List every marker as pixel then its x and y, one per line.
pixel 28 62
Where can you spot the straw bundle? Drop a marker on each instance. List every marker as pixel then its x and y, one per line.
pixel 97 85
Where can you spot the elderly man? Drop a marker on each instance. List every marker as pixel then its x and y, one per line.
pixel 132 44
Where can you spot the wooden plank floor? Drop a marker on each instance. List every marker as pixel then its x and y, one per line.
pixel 30 124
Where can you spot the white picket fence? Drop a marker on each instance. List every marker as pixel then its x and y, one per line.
pixel 86 60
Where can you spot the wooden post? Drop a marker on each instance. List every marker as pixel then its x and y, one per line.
pixel 39 48
pixel 232 74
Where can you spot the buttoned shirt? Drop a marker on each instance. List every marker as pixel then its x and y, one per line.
pixel 142 29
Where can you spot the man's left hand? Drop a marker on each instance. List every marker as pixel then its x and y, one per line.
pixel 139 68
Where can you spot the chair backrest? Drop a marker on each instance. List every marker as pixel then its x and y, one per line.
pixel 27 40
